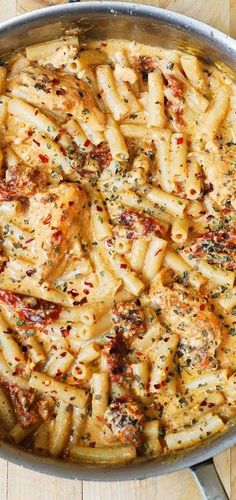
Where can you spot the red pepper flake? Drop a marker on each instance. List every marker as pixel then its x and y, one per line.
pixel 9 298
pixel 157 386
pixel 211 405
pixel 180 140
pixel 57 236
pixel 123 266
pixel 65 332
pixel 55 81
pixel 44 311
pixel 73 292
pixel 87 143
pixel 178 116
pixel 71 203
pixel 101 154
pixel 86 292
pixel 166 339
pixel 87 283
pixel 139 353
pixel 99 209
pixel 43 158
pixel 30 272
pixel 176 85
pixel 169 104
pixel 202 307
pixel 62 150
pixel 84 300
pixel 78 369
pixel 63 354
pixel 103 44
pixel 47 219
pixel 60 91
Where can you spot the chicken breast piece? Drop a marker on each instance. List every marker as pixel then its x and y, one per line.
pixel 188 314
pixel 125 418
pixel 220 172
pixel 58 92
pixel 42 233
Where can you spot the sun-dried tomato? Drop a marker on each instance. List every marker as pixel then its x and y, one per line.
pixel 43 312
pixel 102 154
pixel 150 225
pixel 43 158
pixel 176 85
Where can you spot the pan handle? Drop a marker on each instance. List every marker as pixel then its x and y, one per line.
pixel 210 485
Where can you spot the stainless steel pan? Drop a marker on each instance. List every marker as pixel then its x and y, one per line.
pixel 153 26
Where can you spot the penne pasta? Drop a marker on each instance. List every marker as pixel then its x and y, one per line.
pixel 154 258
pixel 208 426
pixel 58 390
pixel 162 141
pixel 7 415
pixel 216 274
pixel 41 443
pixel 164 354
pixel 106 455
pixel 171 203
pixel 45 49
pixel 177 263
pixel 141 377
pixel 193 182
pixel 115 140
pixel 155 111
pixel 138 254
pixel 179 230
pixel 107 85
pixel 100 391
pixel 59 435
pixel 178 157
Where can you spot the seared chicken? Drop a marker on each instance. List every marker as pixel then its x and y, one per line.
pixel 58 92
pixel 29 411
pixel 43 232
pixel 188 314
pixel 217 247
pixel 129 319
pixel 125 419
pixel 220 172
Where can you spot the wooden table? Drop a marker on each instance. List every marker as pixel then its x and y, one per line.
pixel 17 483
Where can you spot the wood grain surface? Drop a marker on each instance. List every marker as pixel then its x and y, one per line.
pixel 17 483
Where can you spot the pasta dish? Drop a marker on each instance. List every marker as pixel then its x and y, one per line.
pixel 118 250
